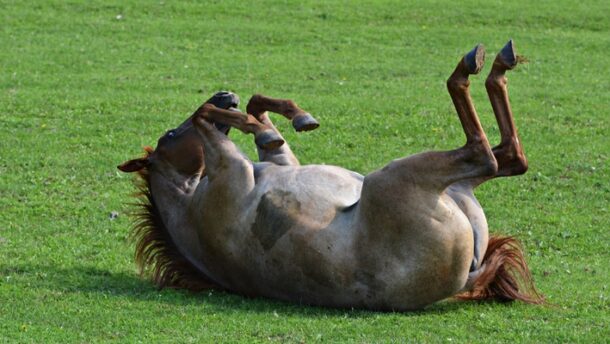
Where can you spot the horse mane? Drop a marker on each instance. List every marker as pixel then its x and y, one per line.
pixel 156 254
pixel 505 275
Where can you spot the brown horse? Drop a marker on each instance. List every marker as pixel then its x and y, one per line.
pixel 400 238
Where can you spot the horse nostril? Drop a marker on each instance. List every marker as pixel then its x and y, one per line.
pixel 224 99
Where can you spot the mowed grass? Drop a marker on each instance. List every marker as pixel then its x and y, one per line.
pixel 84 85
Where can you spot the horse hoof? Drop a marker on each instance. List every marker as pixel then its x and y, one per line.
pixel 304 122
pixel 268 140
pixel 475 59
pixel 507 55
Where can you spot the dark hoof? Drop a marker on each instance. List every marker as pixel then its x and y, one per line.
pixel 304 122
pixel 268 140
pixel 507 55
pixel 475 59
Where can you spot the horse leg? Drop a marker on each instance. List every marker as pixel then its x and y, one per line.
pixel 510 279
pixel 219 200
pixel 281 155
pixel 258 107
pixel 265 137
pixel 509 153
pixel 301 120
pixel 437 170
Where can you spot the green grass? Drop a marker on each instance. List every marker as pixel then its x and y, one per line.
pixel 82 89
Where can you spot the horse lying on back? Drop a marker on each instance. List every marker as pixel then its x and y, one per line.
pixel 400 238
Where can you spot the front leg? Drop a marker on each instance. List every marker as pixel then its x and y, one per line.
pixel 258 106
pixel 281 155
pixel 266 138
pixel 301 120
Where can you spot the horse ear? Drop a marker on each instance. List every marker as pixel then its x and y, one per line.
pixel 133 165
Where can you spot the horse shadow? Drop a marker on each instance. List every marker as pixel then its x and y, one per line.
pixel 122 284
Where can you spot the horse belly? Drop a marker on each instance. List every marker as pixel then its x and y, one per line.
pixel 300 233
pixel 310 194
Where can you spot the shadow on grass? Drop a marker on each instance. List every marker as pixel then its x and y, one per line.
pixel 92 281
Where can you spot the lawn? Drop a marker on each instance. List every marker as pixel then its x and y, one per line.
pixel 84 85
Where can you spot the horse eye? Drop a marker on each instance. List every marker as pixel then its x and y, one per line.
pixel 171 133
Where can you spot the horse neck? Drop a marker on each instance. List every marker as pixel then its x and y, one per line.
pixel 173 205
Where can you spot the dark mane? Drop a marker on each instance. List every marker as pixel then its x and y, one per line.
pixel 156 254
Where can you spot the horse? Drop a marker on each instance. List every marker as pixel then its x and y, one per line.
pixel 398 239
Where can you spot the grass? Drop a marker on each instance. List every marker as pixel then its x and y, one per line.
pixel 83 85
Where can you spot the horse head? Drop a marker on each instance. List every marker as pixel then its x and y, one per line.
pixel 177 158
pixel 179 154
pixel 169 174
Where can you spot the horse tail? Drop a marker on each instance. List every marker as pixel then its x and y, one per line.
pixel 503 276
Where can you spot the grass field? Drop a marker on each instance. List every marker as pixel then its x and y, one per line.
pixel 84 85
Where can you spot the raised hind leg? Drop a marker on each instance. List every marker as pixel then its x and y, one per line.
pixel 509 153
pixel 437 170
pixel 431 173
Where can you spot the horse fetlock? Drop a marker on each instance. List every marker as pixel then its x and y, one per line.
pixel 495 82
pixel 471 63
pixel 458 83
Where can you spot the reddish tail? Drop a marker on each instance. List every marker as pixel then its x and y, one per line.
pixel 505 275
